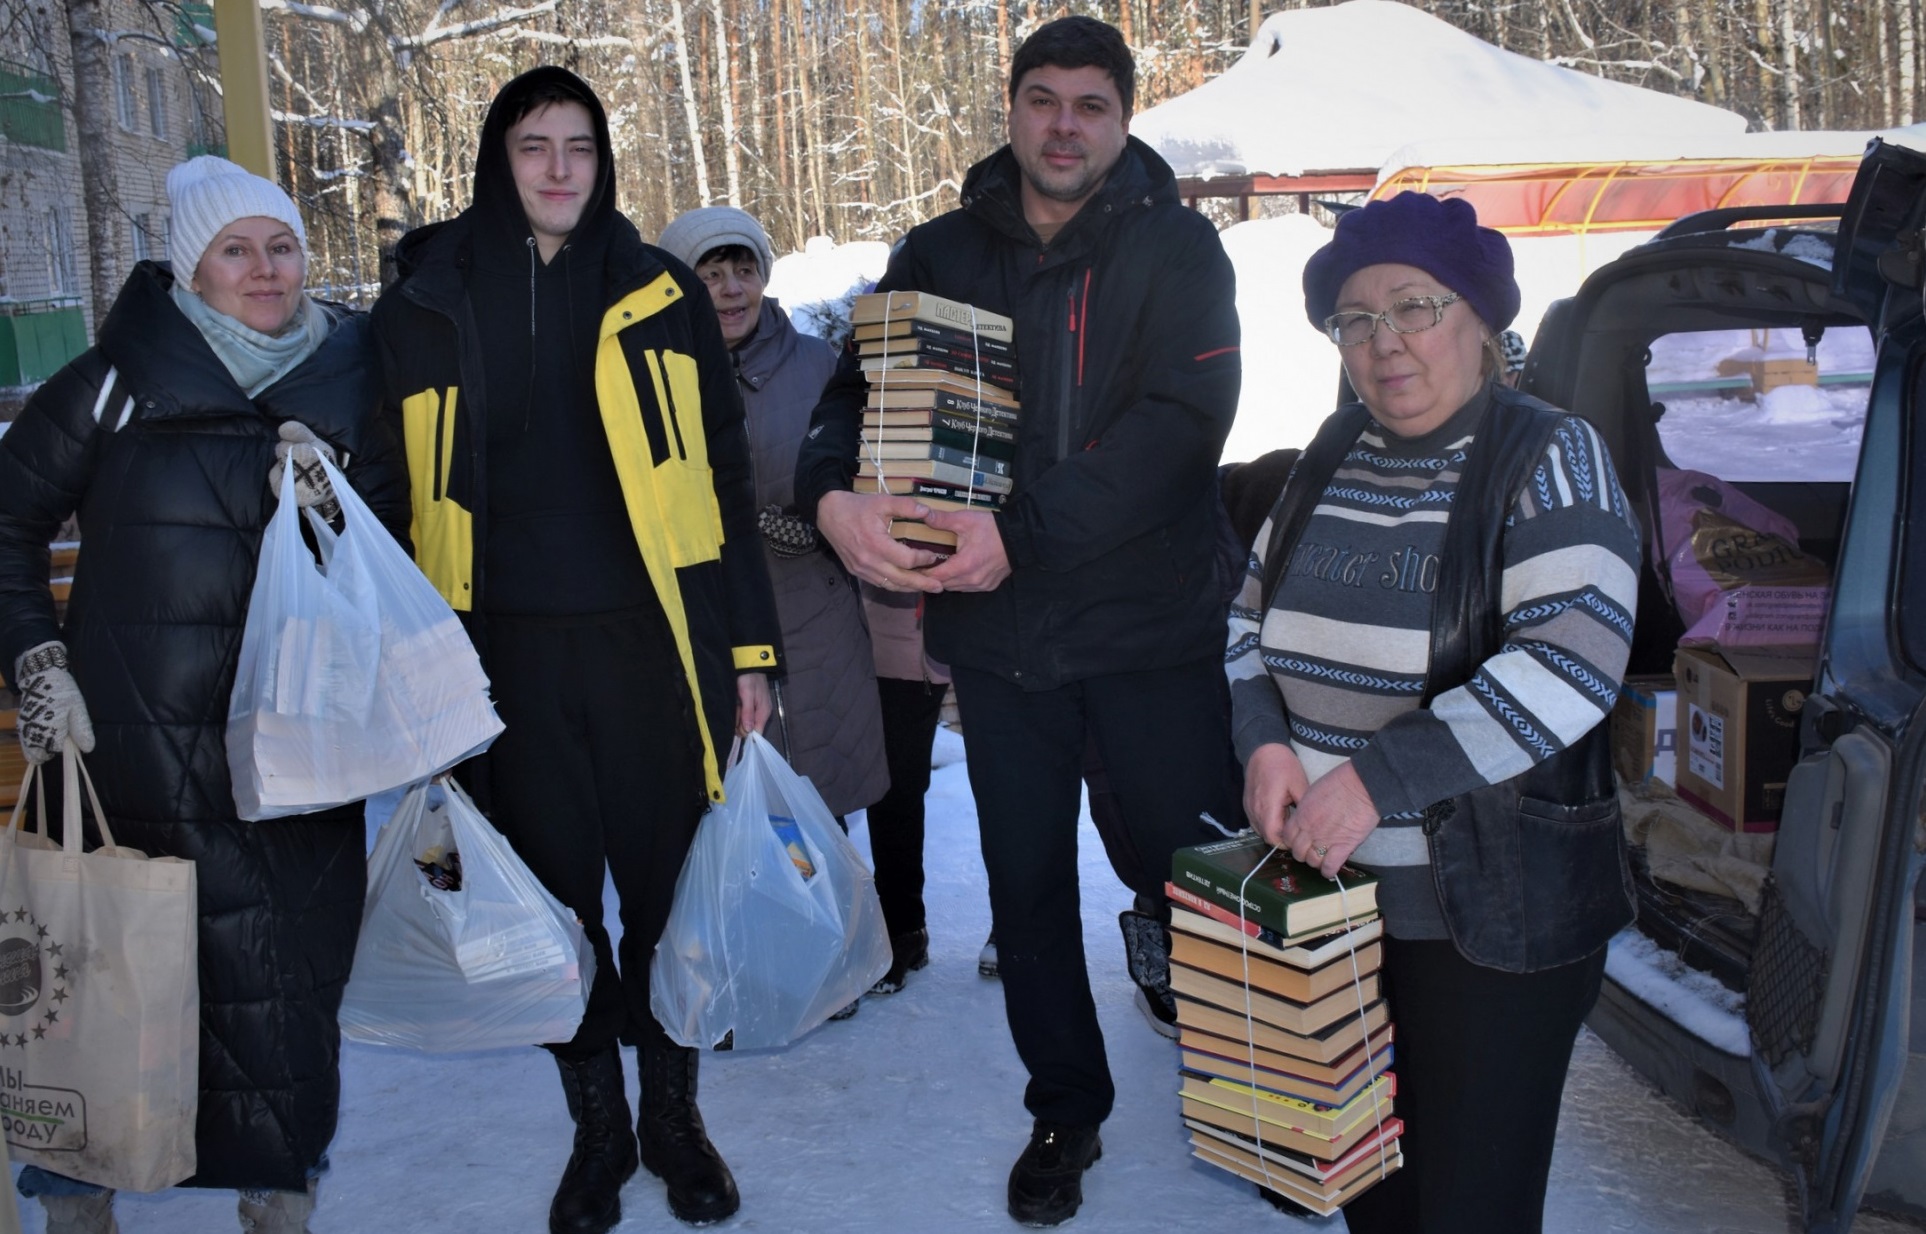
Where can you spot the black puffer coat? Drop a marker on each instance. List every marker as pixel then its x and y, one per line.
pixel 172 503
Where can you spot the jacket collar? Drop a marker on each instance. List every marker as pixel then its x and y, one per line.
pixel 162 356
pixel 769 348
pixel 992 192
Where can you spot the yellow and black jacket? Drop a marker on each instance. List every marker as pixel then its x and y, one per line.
pixel 674 423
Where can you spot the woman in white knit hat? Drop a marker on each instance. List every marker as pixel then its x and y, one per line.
pixel 165 439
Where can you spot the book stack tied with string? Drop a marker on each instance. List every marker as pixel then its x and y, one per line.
pixel 940 423
pixel 1286 1046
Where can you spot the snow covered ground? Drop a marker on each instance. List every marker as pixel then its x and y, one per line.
pixel 907 1117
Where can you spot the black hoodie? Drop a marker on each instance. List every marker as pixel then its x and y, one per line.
pixel 654 404
pixel 559 541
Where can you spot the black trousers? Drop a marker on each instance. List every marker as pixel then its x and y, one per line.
pixel 599 769
pixel 1162 737
pixel 911 711
pixel 1481 1062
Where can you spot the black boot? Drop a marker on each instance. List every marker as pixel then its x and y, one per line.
pixel 589 1198
pixel 675 1146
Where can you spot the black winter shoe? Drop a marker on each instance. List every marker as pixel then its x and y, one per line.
pixel 675 1144
pixel 1046 1184
pixel 589 1199
pixel 908 953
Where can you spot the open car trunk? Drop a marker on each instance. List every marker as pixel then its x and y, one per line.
pixel 1686 354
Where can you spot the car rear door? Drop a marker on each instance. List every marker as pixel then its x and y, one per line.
pixel 1831 978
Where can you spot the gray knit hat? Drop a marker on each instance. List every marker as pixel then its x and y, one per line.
pixel 205 194
pixel 713 227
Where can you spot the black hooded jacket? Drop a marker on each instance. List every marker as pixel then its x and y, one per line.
pixel 664 403
pixel 164 458
pixel 1127 352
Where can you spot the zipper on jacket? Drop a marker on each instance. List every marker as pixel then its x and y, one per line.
pixel 528 404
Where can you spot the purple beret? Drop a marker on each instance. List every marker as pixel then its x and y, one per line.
pixel 1439 236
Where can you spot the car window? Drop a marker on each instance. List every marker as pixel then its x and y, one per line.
pixel 1746 404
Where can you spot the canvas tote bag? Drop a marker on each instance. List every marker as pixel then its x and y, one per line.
pixel 99 999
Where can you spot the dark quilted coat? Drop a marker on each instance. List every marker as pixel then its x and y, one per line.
pixel 171 506
pixel 831 718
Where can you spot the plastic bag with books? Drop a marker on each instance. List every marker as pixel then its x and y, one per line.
pixel 776 923
pixel 355 677
pixel 461 948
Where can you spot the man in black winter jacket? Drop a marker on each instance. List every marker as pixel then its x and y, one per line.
pixel 1088 606
pixel 583 498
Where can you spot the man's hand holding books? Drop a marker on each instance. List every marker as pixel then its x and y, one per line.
pixel 857 527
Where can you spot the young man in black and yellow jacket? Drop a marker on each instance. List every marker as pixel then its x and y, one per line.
pixel 582 497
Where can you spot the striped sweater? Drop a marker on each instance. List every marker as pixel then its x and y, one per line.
pixel 1337 666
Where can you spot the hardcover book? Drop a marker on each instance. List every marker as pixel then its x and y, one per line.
pixel 1245 875
pixel 1231 1064
pixel 932 493
pixel 918 534
pixel 1325 1077
pixel 1206 919
pixel 1284 1013
pixel 1318 1148
pixel 1309 1168
pixel 1262 973
pixel 924 422
pixel 1324 1199
pixel 883 369
pixel 965 351
pixel 931 469
pixel 1275 1109
pixel 907 390
pixel 922 306
pixel 1325 1046
pixel 990 456
pixel 915 327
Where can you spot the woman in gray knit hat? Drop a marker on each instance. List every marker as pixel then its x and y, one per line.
pixel 828 722
pixel 164 439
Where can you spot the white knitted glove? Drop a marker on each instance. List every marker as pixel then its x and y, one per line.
pixel 311 486
pixel 51 709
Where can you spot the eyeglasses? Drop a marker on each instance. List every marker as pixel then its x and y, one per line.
pixel 1412 316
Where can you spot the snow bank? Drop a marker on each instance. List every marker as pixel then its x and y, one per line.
pixel 1691 999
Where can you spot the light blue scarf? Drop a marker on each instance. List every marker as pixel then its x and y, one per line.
pixel 255 360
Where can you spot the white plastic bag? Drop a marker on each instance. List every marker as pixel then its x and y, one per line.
pixel 753 946
pixel 355 676
pixel 496 961
pixel 100 1003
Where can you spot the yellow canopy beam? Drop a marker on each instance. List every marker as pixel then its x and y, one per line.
pixel 244 85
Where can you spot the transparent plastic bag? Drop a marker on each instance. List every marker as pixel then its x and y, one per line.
pixel 492 961
pixel 355 677
pixel 754 946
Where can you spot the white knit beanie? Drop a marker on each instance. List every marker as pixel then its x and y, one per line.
pixel 208 193
pixel 713 227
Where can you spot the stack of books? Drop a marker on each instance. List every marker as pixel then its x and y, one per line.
pixel 940 424
pixel 1286 1045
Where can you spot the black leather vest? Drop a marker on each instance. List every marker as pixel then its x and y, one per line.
pixel 1531 871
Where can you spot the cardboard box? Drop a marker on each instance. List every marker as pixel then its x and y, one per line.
pixel 1645 729
pixel 1738 729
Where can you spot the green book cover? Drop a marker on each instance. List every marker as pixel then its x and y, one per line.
pixel 1273 889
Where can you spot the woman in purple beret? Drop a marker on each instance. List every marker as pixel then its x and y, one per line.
pixel 1437 620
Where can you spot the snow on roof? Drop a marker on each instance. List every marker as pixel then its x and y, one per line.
pixel 1344 88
